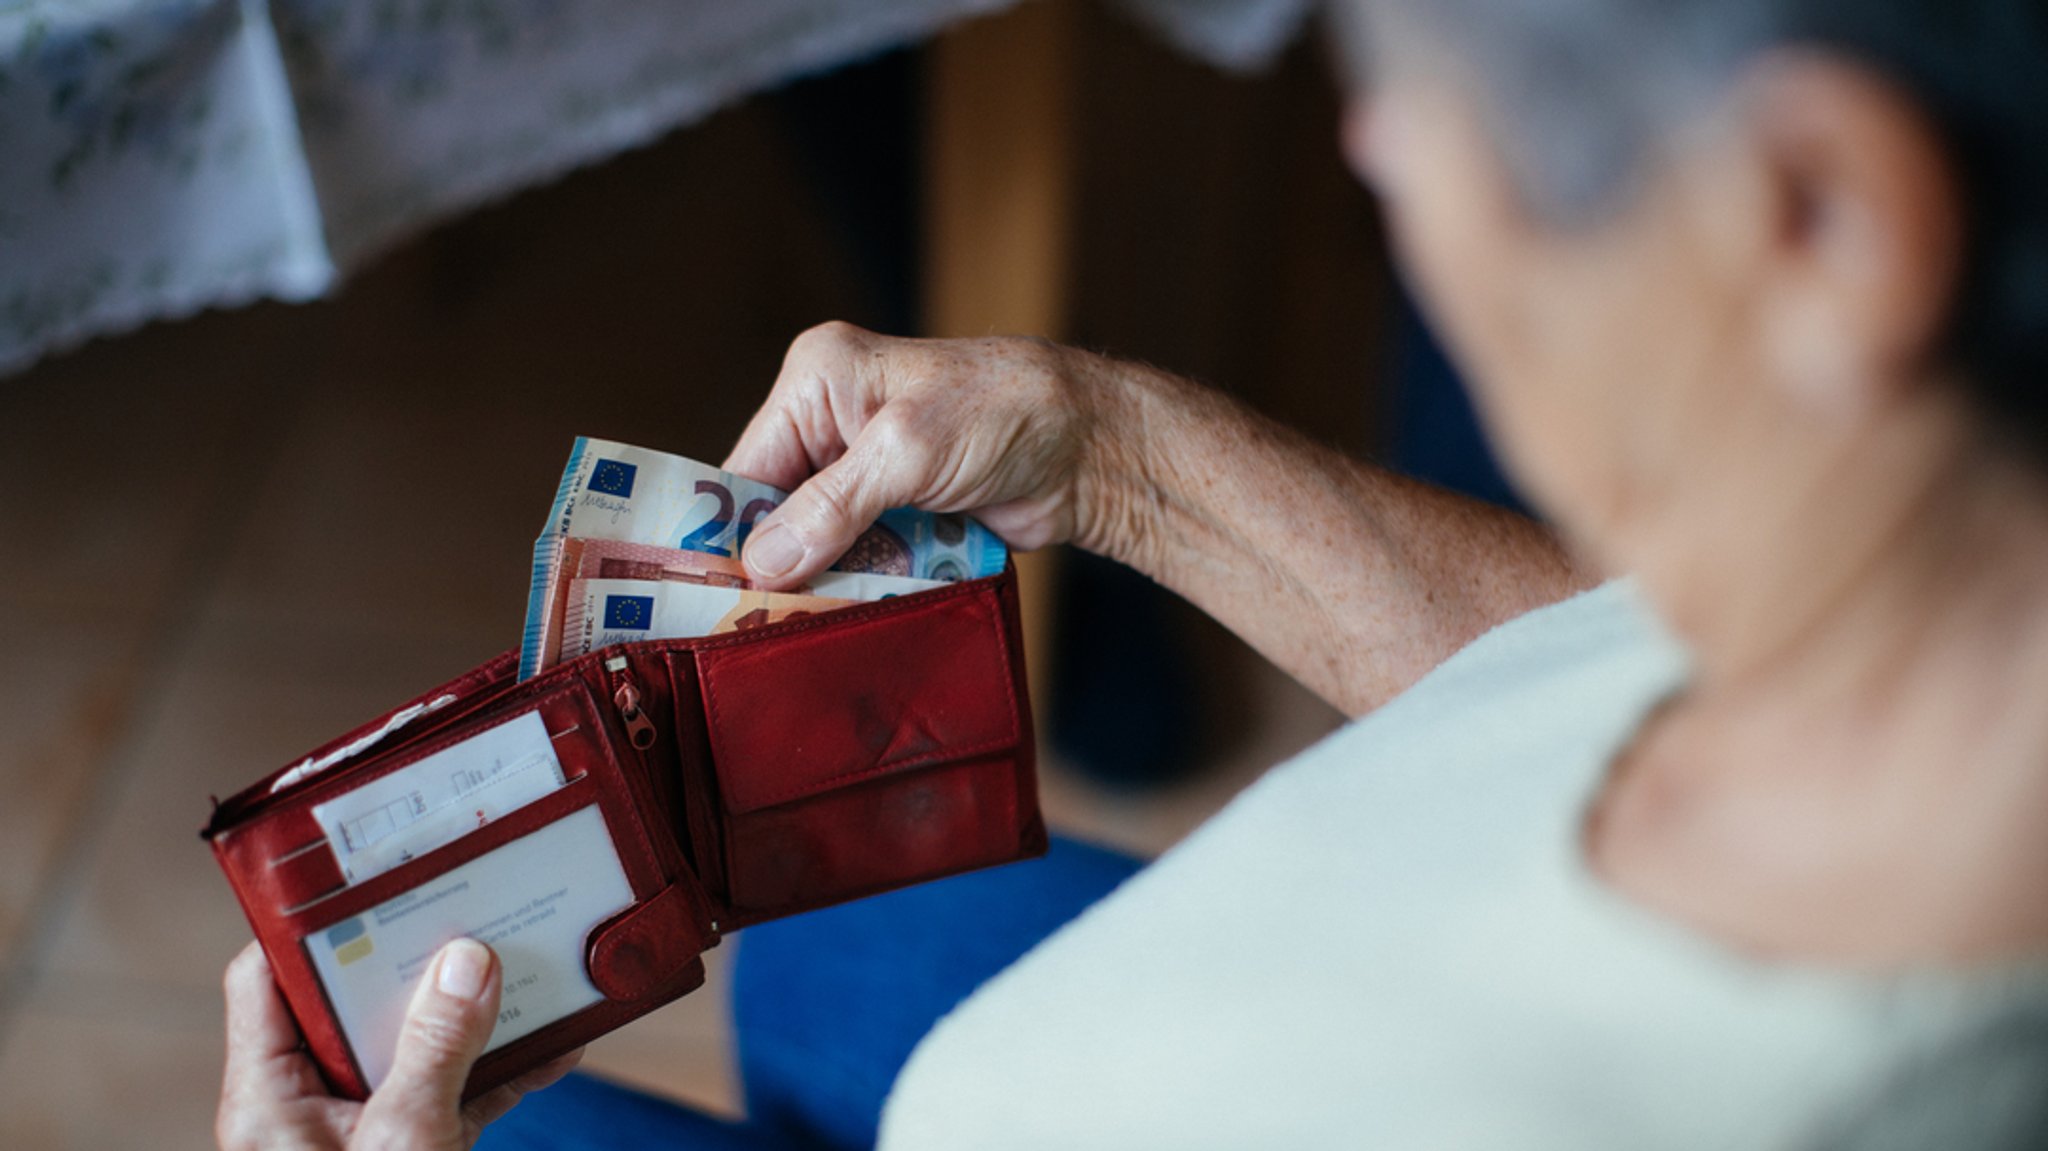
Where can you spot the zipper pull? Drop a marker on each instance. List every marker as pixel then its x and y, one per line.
pixel 639 728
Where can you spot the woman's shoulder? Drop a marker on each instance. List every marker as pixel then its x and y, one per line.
pixel 1597 653
pixel 1611 619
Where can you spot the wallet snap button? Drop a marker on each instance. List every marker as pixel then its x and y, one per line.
pixel 638 953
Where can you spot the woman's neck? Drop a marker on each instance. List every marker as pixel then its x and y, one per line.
pixel 1867 732
pixel 1933 616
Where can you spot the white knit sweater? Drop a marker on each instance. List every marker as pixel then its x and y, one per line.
pixel 1393 942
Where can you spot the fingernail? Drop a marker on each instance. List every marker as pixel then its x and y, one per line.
pixel 465 965
pixel 774 551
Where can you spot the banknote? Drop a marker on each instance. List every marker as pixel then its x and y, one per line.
pixel 614 491
pixel 603 612
pixel 617 559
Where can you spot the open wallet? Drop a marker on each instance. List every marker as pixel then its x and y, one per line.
pixel 603 824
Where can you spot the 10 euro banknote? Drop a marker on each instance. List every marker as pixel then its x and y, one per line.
pixel 603 612
pixel 618 560
pixel 623 494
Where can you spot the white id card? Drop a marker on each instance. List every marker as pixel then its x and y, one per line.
pixel 535 900
pixel 441 798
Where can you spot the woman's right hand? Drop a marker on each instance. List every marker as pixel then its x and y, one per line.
pixel 1003 429
pixel 1355 581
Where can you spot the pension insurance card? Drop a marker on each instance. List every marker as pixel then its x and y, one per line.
pixel 534 900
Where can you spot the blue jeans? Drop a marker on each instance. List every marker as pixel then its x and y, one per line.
pixel 826 1008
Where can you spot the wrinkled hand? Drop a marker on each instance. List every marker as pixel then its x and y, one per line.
pixel 859 423
pixel 272 1096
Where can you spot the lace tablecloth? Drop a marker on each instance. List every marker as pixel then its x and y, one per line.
pixel 160 156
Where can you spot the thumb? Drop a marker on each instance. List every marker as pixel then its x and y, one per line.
pixel 446 1027
pixel 819 521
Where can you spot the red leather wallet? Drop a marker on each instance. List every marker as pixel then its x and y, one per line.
pixel 742 777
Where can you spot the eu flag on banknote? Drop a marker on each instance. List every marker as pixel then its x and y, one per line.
pixel 613 478
pixel 631 612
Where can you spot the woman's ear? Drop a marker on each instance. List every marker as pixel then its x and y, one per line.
pixel 1866 230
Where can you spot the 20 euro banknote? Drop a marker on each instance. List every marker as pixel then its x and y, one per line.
pixel 614 491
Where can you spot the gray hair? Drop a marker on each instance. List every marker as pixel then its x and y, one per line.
pixel 1580 89
pixel 1580 92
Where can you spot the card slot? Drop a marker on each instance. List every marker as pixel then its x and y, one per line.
pixel 568 780
pixel 492 770
pixel 288 856
pixel 591 775
pixel 569 775
pixel 316 900
pixel 354 898
pixel 563 714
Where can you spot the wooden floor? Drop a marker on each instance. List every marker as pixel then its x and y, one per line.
pixel 230 538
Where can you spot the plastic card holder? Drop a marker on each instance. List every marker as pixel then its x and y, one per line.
pixel 595 816
pixel 535 900
pixel 439 798
pixel 298 863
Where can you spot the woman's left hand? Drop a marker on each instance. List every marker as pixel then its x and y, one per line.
pixel 272 1096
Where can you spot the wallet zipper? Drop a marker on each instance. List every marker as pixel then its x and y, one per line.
pixel 626 697
pixel 639 729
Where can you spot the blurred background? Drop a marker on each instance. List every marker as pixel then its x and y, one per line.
pixel 229 537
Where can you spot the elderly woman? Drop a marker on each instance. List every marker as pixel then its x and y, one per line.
pixel 1743 850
